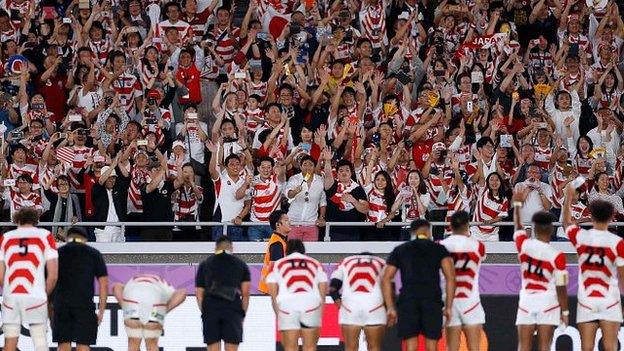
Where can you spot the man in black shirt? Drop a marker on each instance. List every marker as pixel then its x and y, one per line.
pixel 74 317
pixel 420 301
pixel 156 196
pixel 222 289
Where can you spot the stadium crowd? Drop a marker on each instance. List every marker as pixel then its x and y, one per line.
pixel 379 111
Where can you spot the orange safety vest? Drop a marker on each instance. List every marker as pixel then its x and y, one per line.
pixel 266 267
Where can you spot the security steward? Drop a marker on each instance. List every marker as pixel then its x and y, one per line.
pixel 419 307
pixel 277 245
pixel 74 319
pixel 222 288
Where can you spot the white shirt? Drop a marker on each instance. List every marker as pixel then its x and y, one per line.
pixel 192 138
pixel 301 210
pixel 225 188
pixel 112 213
pixel 533 202
pixel 559 116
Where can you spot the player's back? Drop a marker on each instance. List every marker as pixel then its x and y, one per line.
pixel 361 278
pixel 298 276
pixel 539 263
pixel 468 253
pixel 148 288
pixel 599 254
pixel 25 252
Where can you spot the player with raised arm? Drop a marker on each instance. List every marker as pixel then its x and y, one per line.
pixel 297 284
pixel 145 300
pixel 601 263
pixel 28 274
pixel 467 314
pixel 543 303
pixel 361 303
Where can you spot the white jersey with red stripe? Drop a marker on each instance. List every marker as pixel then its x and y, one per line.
pixel 488 207
pixel 29 169
pixel 145 298
pixel 266 197
pixel 543 156
pixel 128 87
pixel 539 262
pixel 298 277
pixel 361 280
pixel 378 209
pixel 25 252
pixel 467 253
pixel 600 253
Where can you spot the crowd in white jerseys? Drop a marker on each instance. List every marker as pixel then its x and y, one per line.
pixel 420 109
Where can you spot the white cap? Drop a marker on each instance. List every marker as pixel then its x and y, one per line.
pixel 178 143
pixel 105 169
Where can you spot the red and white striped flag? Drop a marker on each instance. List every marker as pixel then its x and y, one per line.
pixel 65 154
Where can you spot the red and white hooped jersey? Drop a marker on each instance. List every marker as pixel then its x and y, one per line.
pixel 361 279
pixel 468 253
pixel 543 156
pixel 557 182
pixel 30 169
pixel 19 200
pixel 266 197
pixel 24 252
pixel 599 254
pixel 378 208
pixel 539 262
pixel 488 208
pixel 298 277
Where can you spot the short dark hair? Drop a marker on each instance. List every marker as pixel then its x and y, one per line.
pixel 419 223
pixel 75 230
pixel 459 220
pixel 26 215
pixel 222 240
pixel 231 157
pixel 601 211
pixel 542 223
pixel 275 217
pixel 266 159
pixel 295 245
pixel 484 140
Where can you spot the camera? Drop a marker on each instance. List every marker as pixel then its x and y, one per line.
pixel 151 121
pixel 151 101
pixel 262 36
pixel 81 132
pixel 108 100
pixel 295 28
pixel 38 106
pixel 18 134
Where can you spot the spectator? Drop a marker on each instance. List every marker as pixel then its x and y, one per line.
pixel 534 193
pixel 307 201
pixel 267 189
pixel 64 207
pixel 347 200
pixel 109 196
pixel 186 200
pixel 158 193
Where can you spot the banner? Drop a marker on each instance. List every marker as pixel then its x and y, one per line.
pixel 183 329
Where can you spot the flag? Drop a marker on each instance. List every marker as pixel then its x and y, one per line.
pixel 274 22
pixel 65 154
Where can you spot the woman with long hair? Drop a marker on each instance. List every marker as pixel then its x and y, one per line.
pixel 580 154
pixel 381 199
pixel 413 199
pixel 492 206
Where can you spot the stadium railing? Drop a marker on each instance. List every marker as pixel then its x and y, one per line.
pixel 326 247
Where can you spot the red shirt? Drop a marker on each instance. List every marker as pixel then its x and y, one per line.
pixel 190 78
pixel 55 96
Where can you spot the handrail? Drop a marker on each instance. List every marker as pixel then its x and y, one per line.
pixel 326 237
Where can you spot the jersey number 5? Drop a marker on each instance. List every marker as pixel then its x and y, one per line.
pixel 23 244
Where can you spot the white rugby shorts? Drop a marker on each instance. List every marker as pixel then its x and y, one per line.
pixel 361 315
pixel 594 309
pixel 466 312
pixel 293 319
pixel 23 309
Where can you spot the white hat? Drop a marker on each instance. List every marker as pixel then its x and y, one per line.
pixel 178 143
pixel 105 169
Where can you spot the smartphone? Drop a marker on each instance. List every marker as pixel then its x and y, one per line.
pixel 151 121
pixel 67 20
pixel 15 15
pixel 141 142
pixel 306 147
pixel 99 159
pixel 578 181
pixel 62 135
pixel 17 135
pixel 439 73
pixel 542 125
pixel 156 40
pixel 49 13
pixel 75 118
pixel 506 140
pixel 476 77
pixel 240 75
pixel 403 78
pixel 192 115
pixel 535 42
pixel 9 182
pixel 262 36
pixel 84 5
pixel 574 49
pixel 469 105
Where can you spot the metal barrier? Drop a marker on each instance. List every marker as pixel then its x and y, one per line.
pixel 225 225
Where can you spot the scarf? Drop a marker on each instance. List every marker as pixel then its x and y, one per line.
pixel 58 209
pixel 342 189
